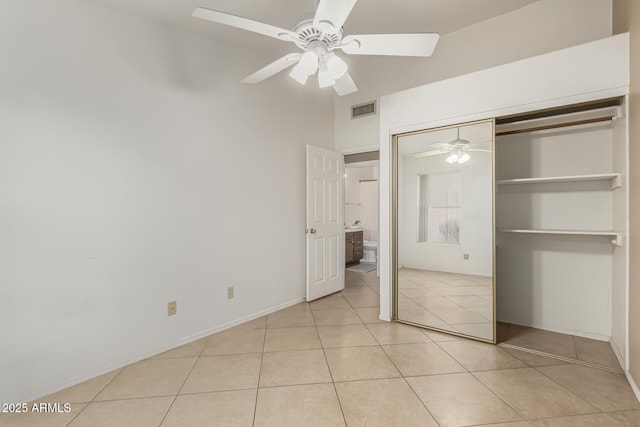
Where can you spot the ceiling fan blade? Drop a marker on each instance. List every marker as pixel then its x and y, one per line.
pixel 476 149
pixel 345 85
pixel 417 44
pixel 478 143
pixel 440 145
pixel 429 153
pixel 245 24
pixel 273 68
pixel 331 14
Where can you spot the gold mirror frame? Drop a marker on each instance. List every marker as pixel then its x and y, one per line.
pixel 394 226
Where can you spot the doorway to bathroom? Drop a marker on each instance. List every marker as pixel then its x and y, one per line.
pixel 361 197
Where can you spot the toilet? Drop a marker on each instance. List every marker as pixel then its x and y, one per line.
pixel 370 251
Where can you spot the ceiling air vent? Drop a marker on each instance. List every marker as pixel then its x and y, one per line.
pixel 362 110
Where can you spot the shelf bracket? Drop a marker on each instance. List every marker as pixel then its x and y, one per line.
pixel 616 182
pixel 617 240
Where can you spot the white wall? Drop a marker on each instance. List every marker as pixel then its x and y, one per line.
pixel 135 170
pixel 354 207
pixel 540 27
pixel 476 228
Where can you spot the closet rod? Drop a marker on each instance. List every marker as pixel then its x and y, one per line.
pixel 559 125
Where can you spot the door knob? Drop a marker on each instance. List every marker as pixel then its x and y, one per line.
pixel 312 230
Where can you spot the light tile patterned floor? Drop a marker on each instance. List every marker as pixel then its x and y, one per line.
pixel 333 363
pixel 455 302
pixel 583 349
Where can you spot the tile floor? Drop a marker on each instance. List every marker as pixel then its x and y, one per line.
pixel 572 347
pixel 461 303
pixel 332 362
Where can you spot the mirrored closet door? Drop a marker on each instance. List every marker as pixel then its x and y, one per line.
pixel 443 203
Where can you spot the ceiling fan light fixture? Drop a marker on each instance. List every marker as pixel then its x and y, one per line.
pixel 459 157
pixel 336 66
pixel 307 66
pixel 317 35
pixel 325 79
pixel 299 75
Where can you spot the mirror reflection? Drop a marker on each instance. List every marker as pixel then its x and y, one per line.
pixel 444 252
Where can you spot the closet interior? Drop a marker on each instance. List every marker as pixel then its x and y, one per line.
pixel 561 222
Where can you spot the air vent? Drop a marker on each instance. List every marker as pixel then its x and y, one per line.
pixel 362 110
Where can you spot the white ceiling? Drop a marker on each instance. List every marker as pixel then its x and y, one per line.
pixel 368 16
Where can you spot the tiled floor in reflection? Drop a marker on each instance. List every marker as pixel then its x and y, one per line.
pixel 455 302
pixel 333 363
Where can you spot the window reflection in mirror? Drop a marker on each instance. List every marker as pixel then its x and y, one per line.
pixel 439 207
pixel 444 254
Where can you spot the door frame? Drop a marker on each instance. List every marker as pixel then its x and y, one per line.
pixel 344 184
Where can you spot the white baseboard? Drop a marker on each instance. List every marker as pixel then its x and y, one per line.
pixel 634 385
pixel 385 318
pixel 186 340
pixel 619 356
pixel 559 330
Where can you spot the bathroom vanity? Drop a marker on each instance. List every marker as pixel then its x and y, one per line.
pixel 354 241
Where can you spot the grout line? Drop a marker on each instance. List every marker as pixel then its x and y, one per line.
pixel 404 378
pixel 421 401
pixel 567 389
pixel 109 383
pixel 564 359
pixel 195 362
pixel 497 395
pixel 97 394
pixel 134 398
pixel 326 361
pixel 255 406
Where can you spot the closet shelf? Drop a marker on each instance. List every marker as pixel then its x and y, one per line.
pixel 616 238
pixel 614 178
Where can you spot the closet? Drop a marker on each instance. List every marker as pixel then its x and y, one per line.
pixel 560 227
pixel 560 201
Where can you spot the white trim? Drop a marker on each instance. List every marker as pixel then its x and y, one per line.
pixel 128 361
pixel 575 333
pixel 385 318
pixel 628 246
pixel 633 384
pixel 361 149
pixel 621 359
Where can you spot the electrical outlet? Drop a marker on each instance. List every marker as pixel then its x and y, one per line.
pixel 230 292
pixel 172 308
pixel 465 256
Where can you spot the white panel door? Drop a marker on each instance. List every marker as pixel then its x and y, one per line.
pixel 325 222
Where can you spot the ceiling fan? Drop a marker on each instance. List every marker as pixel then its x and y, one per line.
pixel 458 149
pixel 318 36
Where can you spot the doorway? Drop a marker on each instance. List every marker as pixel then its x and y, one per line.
pixel 361 218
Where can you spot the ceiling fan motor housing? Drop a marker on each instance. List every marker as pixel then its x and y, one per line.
pixel 308 34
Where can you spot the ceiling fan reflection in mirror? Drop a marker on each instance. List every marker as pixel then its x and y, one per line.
pixel 318 36
pixel 457 149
